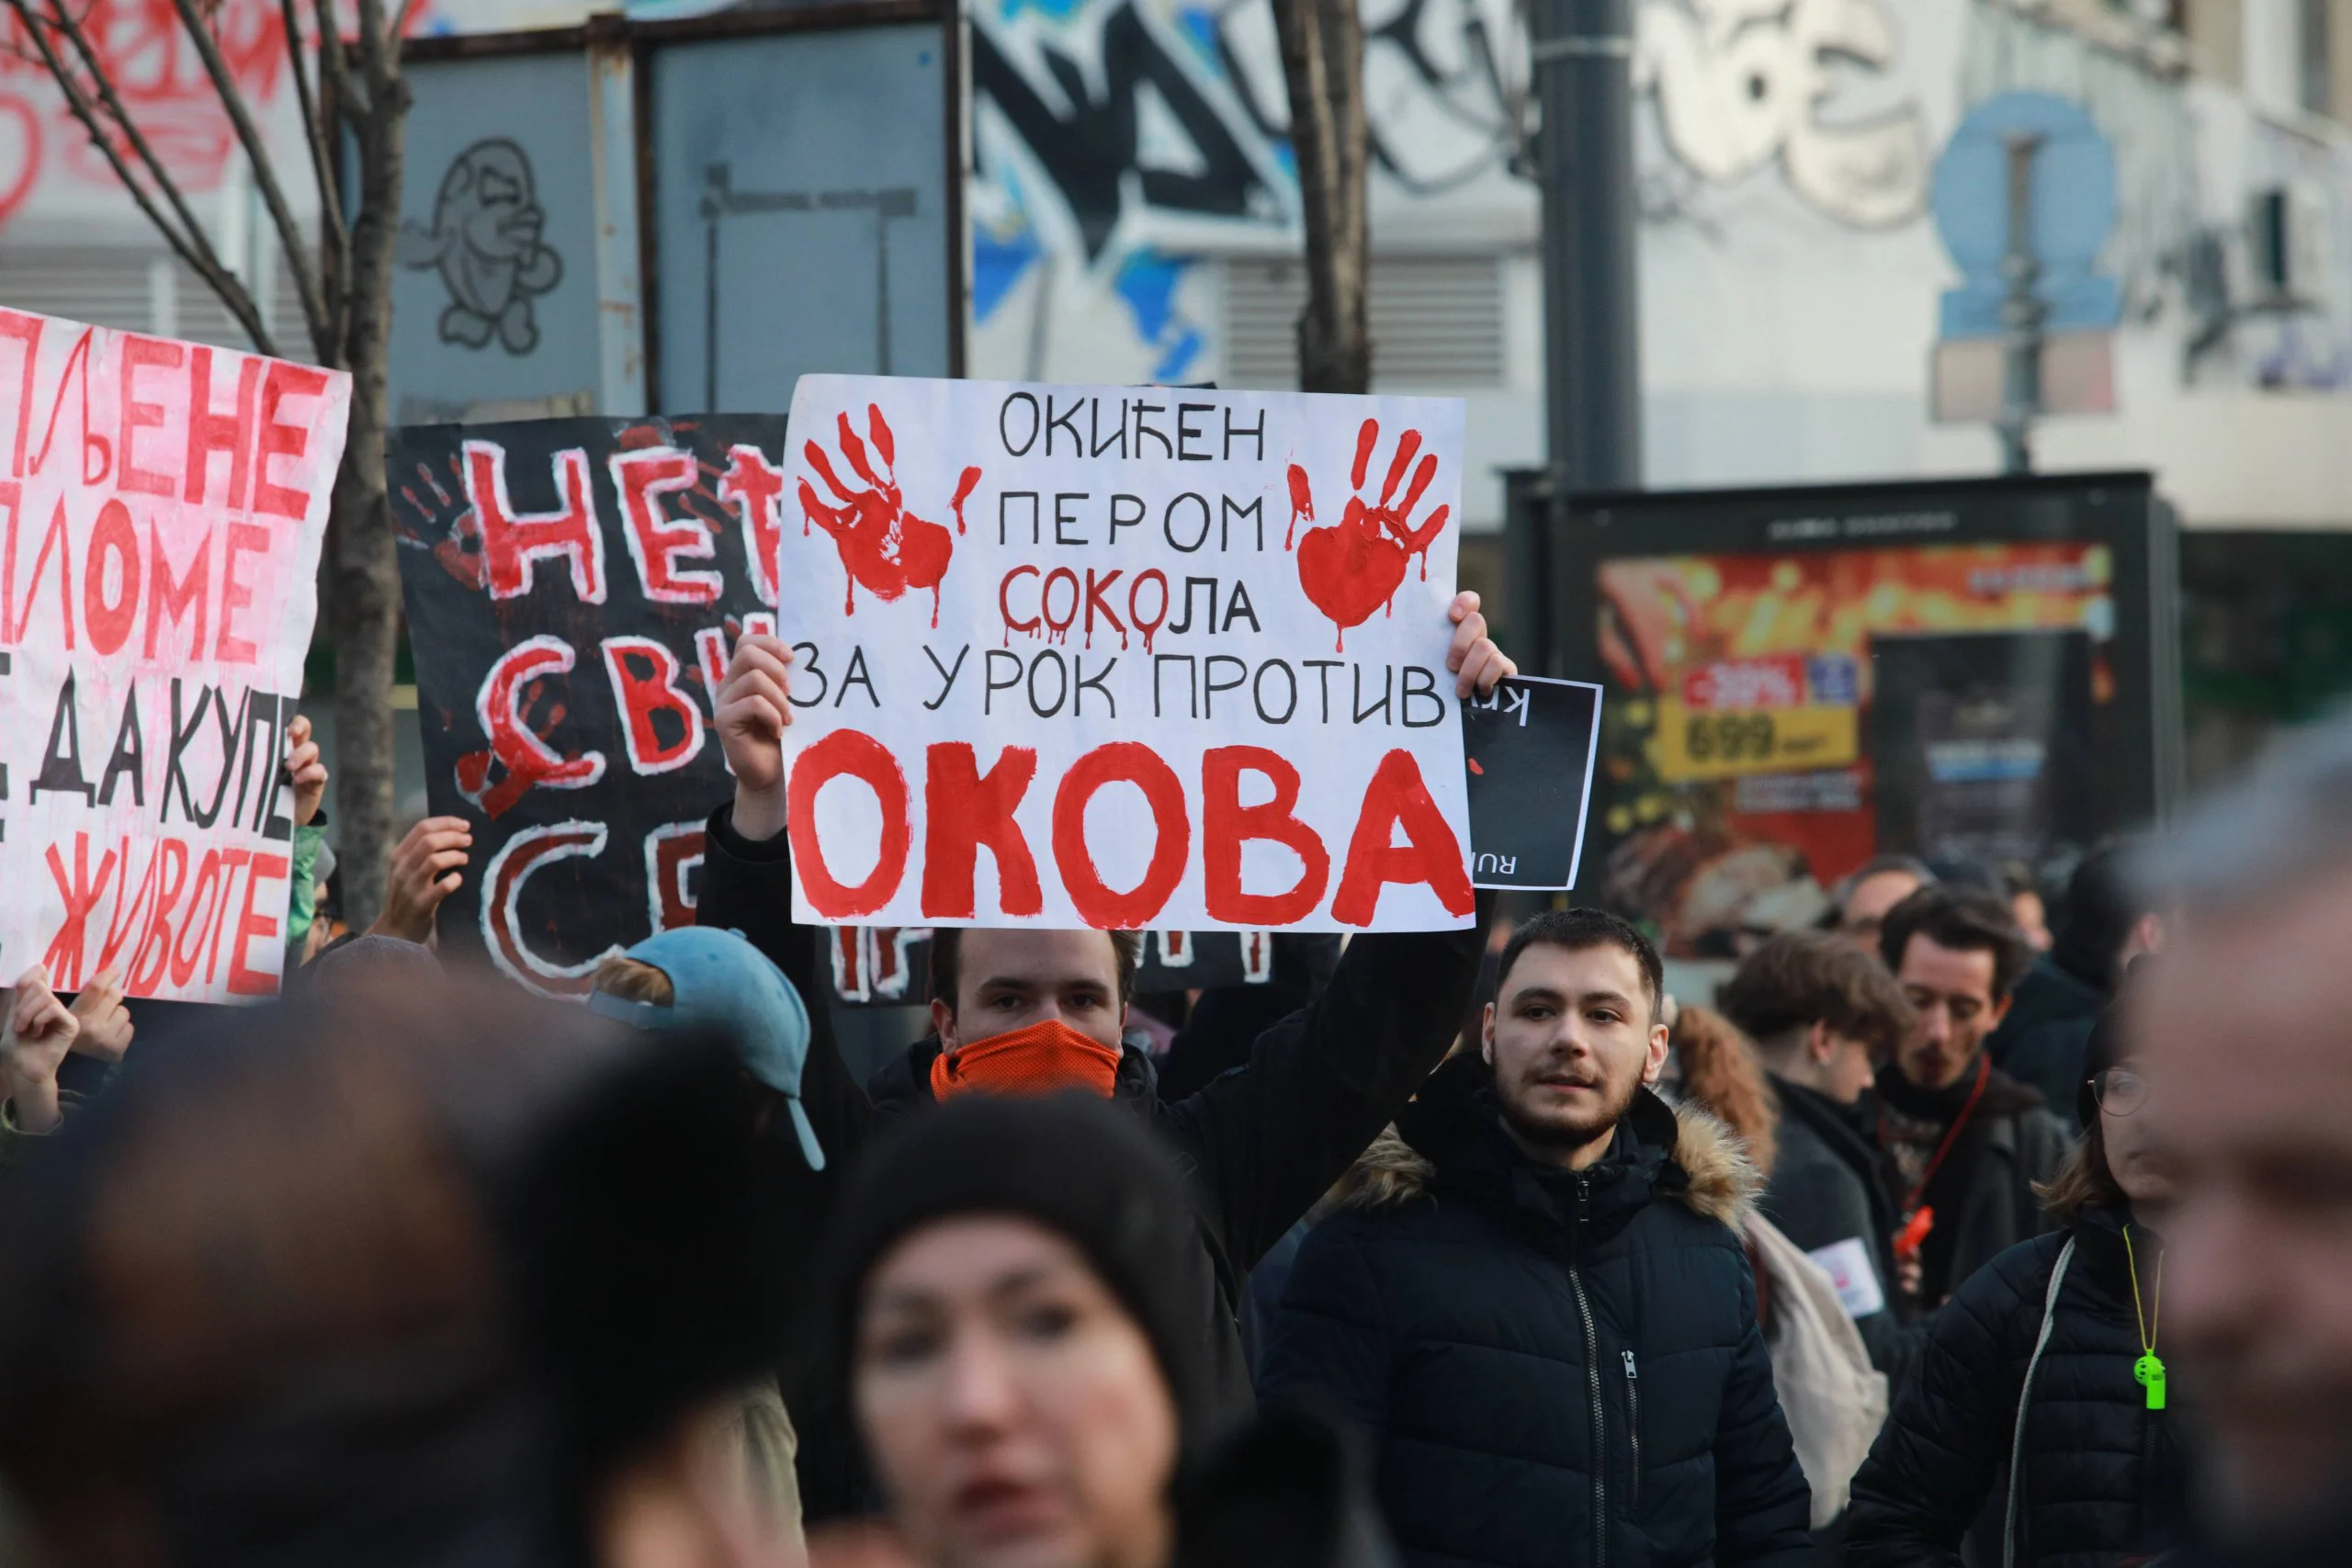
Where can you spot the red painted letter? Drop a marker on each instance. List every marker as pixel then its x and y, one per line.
pixel 511 540
pixel 243 981
pixel 1227 825
pixel 756 488
pixel 138 352
pixel 113 539
pixel 964 808
pixel 1099 906
pixel 208 432
pixel 1397 797
pixel 656 543
pixel 281 440
pixel 862 757
pixel 645 684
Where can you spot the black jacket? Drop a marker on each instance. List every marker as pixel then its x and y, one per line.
pixel 1283 1492
pixel 1262 1144
pixel 1827 1186
pixel 2042 1040
pixel 1552 1368
pixel 1983 1197
pixel 2103 1475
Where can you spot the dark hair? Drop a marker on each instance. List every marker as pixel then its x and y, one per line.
pixel 947 954
pixel 1800 978
pixel 1578 929
pixel 1964 920
pixel 2102 906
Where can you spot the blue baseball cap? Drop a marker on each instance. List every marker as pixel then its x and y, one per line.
pixel 723 982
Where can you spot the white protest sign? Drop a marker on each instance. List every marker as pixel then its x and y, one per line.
pixel 1122 657
pixel 161 512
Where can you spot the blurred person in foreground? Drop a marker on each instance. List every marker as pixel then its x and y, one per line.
pixel 2106 923
pixel 396 1273
pixel 1832 1397
pixel 2043 1387
pixel 1822 1017
pixel 1859 902
pixel 1965 1142
pixel 1018 1323
pixel 2247 1032
pixel 1531 1298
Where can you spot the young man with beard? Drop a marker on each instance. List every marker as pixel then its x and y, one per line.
pixel 1533 1301
pixel 1028 1011
pixel 1964 1142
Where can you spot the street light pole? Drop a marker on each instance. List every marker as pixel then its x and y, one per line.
pixel 1583 60
pixel 2023 315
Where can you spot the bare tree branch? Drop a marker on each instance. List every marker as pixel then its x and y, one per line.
pixel 399 22
pixel 233 99
pixel 190 244
pixel 314 132
pixel 213 271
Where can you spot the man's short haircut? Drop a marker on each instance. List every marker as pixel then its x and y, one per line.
pixel 947 957
pixel 1800 978
pixel 1579 930
pixel 1965 919
pixel 1910 865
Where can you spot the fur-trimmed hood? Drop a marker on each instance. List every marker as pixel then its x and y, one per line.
pixel 1721 1182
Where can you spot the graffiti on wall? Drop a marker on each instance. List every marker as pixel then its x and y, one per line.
pixel 485 242
pixel 142 51
pixel 1741 85
pixel 1118 140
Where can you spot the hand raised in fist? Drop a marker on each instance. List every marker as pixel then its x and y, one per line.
pixel 305 770
pixel 41 1029
pixel 752 709
pixel 425 871
pixel 105 1022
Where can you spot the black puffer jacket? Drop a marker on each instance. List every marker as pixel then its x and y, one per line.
pixel 2104 1480
pixel 1552 1368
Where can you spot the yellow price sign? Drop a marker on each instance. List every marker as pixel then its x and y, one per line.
pixel 1692 746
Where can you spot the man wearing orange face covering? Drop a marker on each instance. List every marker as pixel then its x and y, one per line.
pixel 1045 1011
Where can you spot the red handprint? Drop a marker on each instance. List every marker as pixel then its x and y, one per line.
pixel 1354 567
pixel 882 545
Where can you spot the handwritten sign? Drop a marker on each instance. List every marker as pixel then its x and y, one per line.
pixel 160 524
pixel 574 590
pixel 1120 658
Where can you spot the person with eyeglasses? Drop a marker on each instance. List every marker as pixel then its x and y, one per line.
pixel 2043 1389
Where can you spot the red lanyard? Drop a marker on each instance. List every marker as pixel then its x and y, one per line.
pixel 1952 1133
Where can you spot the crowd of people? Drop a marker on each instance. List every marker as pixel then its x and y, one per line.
pixel 1962 1230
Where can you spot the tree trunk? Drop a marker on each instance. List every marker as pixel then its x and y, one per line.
pixel 1322 45
pixel 366 570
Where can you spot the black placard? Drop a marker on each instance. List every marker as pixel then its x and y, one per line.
pixel 576 586
pixel 1529 747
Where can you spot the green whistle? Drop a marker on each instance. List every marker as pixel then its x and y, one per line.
pixel 2150 1370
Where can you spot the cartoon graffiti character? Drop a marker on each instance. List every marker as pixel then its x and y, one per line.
pixel 882 546
pixel 1355 567
pixel 485 244
pixel 1739 83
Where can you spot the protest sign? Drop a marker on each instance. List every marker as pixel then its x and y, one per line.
pixel 163 508
pixel 1531 744
pixel 574 590
pixel 1122 657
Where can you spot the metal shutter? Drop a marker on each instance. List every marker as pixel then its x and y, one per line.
pixel 114 286
pixel 1437 322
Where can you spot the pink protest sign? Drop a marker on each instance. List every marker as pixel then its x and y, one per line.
pixel 161 509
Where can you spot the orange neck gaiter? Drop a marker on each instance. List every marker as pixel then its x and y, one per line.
pixel 1044 1058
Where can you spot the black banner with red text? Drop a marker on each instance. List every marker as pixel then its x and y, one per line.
pixel 574 588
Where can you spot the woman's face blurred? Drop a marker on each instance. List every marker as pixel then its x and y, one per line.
pixel 1014 1410
pixel 2125 1126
